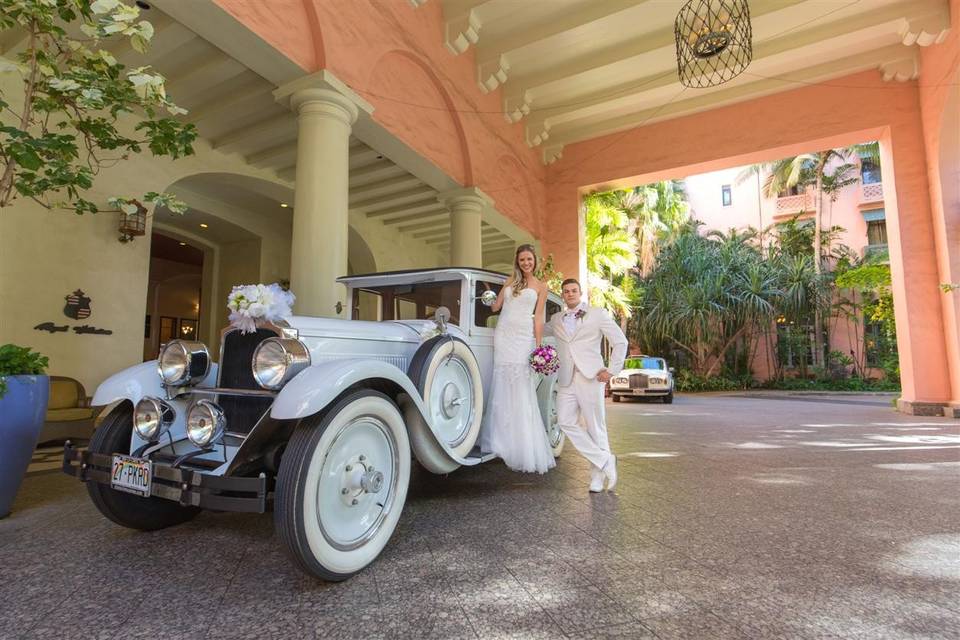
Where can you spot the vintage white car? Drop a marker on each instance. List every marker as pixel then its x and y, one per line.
pixel 643 377
pixel 316 419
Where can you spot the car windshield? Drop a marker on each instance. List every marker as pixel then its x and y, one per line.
pixel 407 301
pixel 645 363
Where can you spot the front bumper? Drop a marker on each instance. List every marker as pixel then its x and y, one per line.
pixel 188 487
pixel 627 391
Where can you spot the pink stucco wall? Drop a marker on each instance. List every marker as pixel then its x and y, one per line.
pixel 851 109
pixel 939 90
pixel 393 56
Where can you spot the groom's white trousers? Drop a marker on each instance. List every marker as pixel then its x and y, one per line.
pixel 584 398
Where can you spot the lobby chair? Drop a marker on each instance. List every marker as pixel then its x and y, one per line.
pixel 69 415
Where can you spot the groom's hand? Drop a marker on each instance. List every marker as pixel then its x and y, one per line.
pixel 604 376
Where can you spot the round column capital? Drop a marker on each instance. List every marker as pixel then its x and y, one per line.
pixel 468 199
pixel 324 103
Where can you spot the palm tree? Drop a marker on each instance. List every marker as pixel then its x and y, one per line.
pixel 610 253
pixel 811 170
pixel 653 210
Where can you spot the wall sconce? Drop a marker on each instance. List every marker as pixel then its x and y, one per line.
pixel 133 220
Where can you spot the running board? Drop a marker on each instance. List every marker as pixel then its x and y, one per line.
pixel 476 456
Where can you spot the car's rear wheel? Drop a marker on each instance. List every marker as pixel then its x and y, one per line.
pixel 342 485
pixel 128 510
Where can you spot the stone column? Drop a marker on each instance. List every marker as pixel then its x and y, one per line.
pixel 466 207
pixel 326 110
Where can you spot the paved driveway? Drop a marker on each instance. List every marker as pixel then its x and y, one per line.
pixel 736 517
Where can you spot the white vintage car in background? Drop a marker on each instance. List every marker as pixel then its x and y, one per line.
pixel 643 377
pixel 316 419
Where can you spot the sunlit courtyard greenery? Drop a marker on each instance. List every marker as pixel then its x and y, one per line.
pixel 714 303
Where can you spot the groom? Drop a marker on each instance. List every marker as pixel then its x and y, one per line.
pixel 582 376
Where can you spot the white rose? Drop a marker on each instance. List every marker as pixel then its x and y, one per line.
pixel 257 310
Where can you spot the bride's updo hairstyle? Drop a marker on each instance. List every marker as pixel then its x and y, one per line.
pixel 519 282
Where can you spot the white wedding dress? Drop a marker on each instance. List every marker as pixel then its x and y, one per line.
pixel 512 427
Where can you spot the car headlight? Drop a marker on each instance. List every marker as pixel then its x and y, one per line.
pixel 152 418
pixel 205 423
pixel 277 360
pixel 183 362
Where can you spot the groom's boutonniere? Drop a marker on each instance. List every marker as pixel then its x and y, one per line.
pixel 580 314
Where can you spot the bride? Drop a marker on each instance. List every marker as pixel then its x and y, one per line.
pixel 512 427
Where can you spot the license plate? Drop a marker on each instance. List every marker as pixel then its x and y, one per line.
pixel 132 475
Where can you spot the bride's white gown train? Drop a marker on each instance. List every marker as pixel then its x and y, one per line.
pixel 512 426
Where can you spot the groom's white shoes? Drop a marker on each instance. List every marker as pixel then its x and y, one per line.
pixel 596 480
pixel 610 471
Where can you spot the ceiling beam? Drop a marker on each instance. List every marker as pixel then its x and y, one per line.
pixel 520 88
pixel 390 185
pixel 417 217
pixel 493 53
pixel 417 194
pixel 256 88
pixel 546 117
pixel 270 126
pixel 374 173
pixel 430 204
pixel 876 59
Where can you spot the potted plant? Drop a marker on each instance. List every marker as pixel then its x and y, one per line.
pixel 24 390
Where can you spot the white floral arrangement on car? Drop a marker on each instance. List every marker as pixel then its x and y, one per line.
pixel 250 303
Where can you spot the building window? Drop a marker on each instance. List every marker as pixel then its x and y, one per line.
pixel 877 232
pixel 870 172
pixel 727 195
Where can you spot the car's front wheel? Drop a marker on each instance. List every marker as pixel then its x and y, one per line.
pixel 128 510
pixel 616 397
pixel 668 399
pixel 342 485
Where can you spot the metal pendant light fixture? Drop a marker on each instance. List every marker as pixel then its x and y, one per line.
pixel 714 41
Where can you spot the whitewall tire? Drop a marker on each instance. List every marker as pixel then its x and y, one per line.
pixel 342 485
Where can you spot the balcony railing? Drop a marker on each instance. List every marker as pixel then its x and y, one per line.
pixel 795 204
pixel 872 192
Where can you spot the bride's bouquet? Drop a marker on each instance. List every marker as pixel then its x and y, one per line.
pixel 544 360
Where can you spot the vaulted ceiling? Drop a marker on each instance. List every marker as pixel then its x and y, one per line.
pixel 571 70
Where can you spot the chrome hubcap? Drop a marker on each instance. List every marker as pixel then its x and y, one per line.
pixel 452 400
pixel 358 483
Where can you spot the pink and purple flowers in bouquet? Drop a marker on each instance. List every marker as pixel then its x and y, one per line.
pixel 544 360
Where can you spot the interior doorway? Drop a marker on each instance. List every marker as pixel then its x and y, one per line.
pixel 173 294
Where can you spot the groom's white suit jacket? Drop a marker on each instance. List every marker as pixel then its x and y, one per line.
pixel 582 349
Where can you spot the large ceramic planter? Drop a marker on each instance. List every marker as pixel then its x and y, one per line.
pixel 22 412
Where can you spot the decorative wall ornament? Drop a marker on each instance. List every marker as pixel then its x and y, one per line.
pixel 78 305
pixel 714 41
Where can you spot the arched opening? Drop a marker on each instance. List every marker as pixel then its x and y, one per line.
pixel 174 291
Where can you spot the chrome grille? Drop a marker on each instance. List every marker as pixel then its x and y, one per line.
pixel 638 381
pixel 236 372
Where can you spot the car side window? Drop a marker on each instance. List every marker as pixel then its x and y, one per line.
pixel 483 316
pixel 408 301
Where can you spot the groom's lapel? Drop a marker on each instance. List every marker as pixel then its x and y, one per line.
pixel 560 328
pixel 578 324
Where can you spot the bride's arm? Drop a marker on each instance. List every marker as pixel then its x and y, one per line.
pixel 495 307
pixel 538 313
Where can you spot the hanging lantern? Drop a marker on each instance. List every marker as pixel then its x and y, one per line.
pixel 133 220
pixel 714 41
